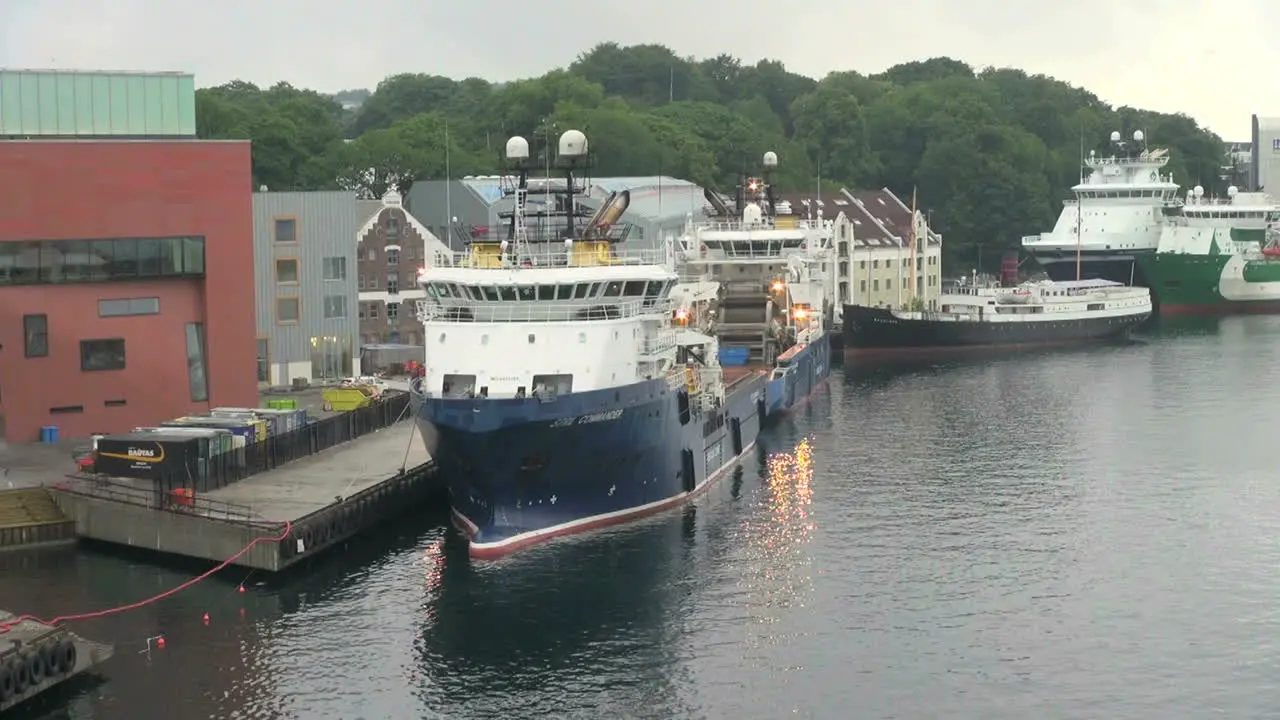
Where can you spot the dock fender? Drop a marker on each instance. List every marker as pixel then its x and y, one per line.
pixel 735 430
pixel 7 683
pixel 21 676
pixel 67 649
pixel 760 409
pixel 35 667
pixel 49 656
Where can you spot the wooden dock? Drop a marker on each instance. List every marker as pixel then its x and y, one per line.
pixel 324 498
pixel 36 657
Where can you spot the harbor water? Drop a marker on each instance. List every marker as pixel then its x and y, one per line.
pixel 1089 533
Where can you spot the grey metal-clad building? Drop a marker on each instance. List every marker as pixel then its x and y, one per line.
pixel 305 283
pixel 659 205
pixel 474 202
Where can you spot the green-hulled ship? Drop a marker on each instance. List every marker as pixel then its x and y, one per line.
pixel 1230 265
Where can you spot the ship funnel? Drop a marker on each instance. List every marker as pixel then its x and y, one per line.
pixel 1009 270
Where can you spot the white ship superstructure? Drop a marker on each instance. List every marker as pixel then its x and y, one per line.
pixel 1119 209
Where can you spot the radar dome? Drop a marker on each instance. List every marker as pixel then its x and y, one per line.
pixel 1138 136
pixel 752 214
pixel 1231 191
pixel 1115 136
pixel 517 148
pixel 573 144
pixel 771 159
pixel 1198 190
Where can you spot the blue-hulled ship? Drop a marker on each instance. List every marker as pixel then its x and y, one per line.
pixel 567 384
pixel 772 272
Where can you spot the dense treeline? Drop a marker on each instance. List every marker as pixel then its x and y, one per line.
pixel 992 152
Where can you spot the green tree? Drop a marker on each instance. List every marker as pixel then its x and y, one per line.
pixel 992 153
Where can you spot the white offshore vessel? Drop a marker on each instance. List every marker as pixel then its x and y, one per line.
pixel 1119 211
pixel 560 393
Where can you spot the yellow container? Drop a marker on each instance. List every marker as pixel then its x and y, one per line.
pixel 345 399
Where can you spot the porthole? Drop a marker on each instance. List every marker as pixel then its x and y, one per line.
pixel 484 339
pixel 531 338
pixel 441 337
pixel 582 338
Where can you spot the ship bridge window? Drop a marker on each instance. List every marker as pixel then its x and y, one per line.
pixel 580 290
pixel 507 292
pixel 490 293
pixel 526 292
pixel 546 292
pixel 613 289
pixel 564 292
pixel 633 288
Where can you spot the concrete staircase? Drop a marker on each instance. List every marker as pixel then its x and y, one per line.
pixel 29 516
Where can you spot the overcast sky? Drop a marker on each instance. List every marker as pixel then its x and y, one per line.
pixel 1191 56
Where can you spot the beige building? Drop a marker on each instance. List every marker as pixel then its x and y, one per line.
pixel 873 232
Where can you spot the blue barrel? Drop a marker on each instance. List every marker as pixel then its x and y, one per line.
pixel 49 434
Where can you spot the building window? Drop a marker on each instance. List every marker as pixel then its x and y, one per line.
pixel 393 257
pixel 264 360
pixel 863 286
pixel 121 307
pixel 373 283
pixel 286 230
pixel 197 380
pixel 373 311
pixel 360 282
pixel 330 357
pixel 335 307
pixel 102 355
pixel 393 228
pixel 287 310
pixel 393 285
pixel 335 268
pixel 287 271
pixel 393 312
pixel 373 254
pixel 35 331
pixel 56 262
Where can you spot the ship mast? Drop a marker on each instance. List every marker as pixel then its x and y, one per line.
pixel 911 268
pixel 1079 220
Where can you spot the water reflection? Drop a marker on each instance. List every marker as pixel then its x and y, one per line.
pixel 584 624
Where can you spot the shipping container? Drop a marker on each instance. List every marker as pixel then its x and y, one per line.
pixel 225 451
pixel 283 420
pixel 251 429
pixel 148 456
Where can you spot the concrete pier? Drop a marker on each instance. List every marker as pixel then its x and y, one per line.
pixel 35 657
pixel 327 497
pixel 29 517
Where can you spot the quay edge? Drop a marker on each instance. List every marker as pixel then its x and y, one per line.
pixel 322 500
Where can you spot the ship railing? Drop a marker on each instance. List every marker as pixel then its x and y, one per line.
pixel 551 233
pixel 785 222
pixel 544 311
pixel 676 378
pixel 664 341
pixel 1143 159
pixel 544 257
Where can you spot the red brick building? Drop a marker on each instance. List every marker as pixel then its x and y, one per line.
pixel 126 283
